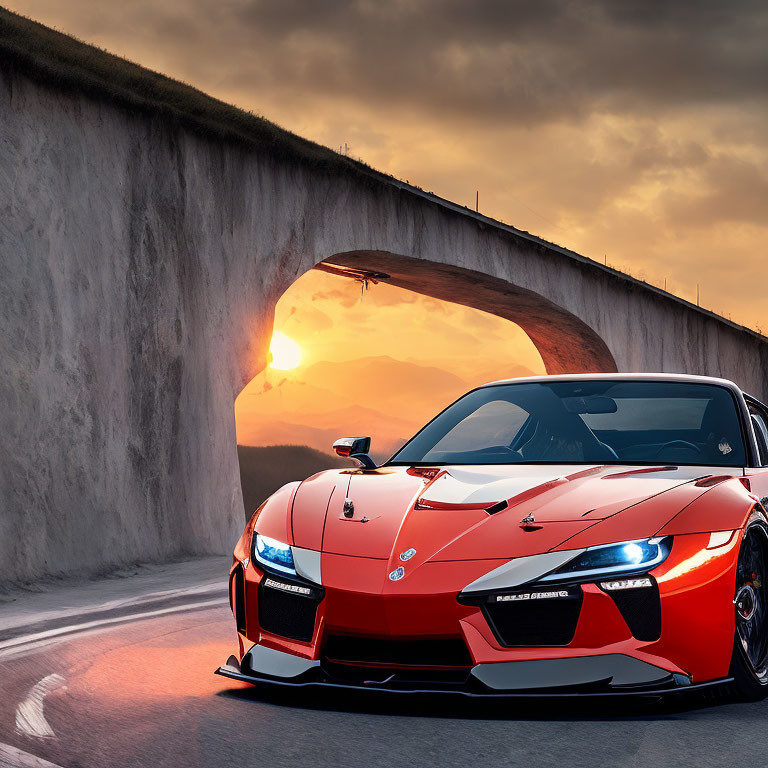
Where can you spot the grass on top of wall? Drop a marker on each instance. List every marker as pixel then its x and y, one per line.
pixel 66 64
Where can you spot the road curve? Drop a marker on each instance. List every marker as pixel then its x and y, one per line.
pixel 143 694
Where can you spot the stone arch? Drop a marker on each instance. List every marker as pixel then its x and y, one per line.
pixel 565 342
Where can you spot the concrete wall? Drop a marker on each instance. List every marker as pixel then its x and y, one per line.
pixel 140 265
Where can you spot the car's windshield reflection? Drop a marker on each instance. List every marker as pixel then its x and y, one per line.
pixel 606 422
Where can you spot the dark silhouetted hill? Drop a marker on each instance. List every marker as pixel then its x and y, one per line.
pixel 264 469
pixel 388 399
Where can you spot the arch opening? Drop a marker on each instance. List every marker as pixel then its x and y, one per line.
pixel 380 362
pixel 565 342
pixel 330 373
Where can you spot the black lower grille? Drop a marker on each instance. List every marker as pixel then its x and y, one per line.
pixel 536 617
pixel 288 608
pixel 641 609
pixel 438 652
pixel 237 597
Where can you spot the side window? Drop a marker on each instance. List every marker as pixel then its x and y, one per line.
pixel 760 425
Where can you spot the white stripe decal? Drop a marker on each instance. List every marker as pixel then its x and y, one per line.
pixel 30 719
pixel 488 485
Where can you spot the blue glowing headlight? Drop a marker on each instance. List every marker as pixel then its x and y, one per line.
pixel 641 555
pixel 273 554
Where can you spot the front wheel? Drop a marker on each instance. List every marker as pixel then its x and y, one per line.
pixel 749 664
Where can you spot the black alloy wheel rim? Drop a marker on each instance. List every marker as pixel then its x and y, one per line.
pixel 751 601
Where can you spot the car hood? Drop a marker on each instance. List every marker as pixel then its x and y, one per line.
pixel 487 512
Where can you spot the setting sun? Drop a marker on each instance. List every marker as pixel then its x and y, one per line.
pixel 285 353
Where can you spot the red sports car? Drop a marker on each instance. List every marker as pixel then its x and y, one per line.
pixel 600 534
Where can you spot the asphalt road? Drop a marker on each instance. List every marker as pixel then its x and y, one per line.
pixel 144 694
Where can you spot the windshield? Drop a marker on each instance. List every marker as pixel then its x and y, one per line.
pixel 592 422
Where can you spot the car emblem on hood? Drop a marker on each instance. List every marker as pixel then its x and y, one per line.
pixel 528 523
pixel 397 574
pixel 407 555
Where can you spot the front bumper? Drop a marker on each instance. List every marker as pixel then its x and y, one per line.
pixel 587 676
pixel 429 638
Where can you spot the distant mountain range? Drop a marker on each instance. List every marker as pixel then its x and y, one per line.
pixel 378 396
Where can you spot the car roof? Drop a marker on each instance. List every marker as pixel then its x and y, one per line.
pixel 681 377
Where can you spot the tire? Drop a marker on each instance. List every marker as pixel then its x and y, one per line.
pixel 749 663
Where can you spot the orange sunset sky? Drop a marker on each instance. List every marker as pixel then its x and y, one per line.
pixel 627 130
pixel 378 363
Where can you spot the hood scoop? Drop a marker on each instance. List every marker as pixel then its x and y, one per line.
pixel 494 508
pixel 493 491
pixel 550 493
pixel 491 509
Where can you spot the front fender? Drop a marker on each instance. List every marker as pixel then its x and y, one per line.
pixel 724 507
pixel 274 520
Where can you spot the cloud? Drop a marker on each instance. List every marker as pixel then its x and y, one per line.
pixel 307 321
pixel 383 295
pixel 344 298
pixel 503 60
pixel 729 189
pixel 629 128
pixel 509 60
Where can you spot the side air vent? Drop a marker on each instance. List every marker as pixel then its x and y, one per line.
pixel 641 609
pixel 288 608
pixel 237 597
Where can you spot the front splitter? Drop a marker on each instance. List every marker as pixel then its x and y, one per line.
pixel 232 671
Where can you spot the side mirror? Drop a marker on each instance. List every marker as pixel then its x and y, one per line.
pixel 355 448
